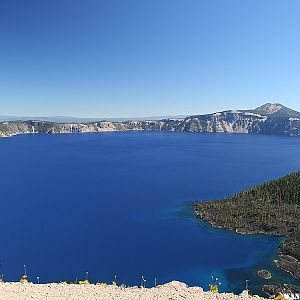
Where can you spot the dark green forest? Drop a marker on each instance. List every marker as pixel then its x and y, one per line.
pixel 285 190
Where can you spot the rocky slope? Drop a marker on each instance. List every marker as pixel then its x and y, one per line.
pixel 268 119
pixel 174 290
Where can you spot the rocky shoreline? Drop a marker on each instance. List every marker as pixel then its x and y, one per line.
pixel 287 263
pixel 272 208
pixel 174 290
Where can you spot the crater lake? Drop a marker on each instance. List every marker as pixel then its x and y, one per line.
pixel 120 203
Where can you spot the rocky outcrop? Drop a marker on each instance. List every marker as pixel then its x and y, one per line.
pixel 268 119
pixel 264 274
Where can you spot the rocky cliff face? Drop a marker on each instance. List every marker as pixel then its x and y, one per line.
pixel 267 119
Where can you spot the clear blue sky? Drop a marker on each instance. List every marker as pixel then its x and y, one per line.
pixel 119 58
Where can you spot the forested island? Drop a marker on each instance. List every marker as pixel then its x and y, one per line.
pixel 271 208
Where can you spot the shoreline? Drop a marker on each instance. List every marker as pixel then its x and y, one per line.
pixel 281 257
pixel 285 262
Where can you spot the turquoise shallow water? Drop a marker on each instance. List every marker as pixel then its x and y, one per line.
pixel 119 203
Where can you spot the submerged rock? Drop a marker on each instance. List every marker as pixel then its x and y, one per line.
pixel 264 274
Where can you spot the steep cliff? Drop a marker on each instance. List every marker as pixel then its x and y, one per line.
pixel 270 118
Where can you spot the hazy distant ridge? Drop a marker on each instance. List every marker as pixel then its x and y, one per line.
pixel 66 119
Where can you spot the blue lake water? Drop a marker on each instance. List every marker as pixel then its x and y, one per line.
pixel 120 203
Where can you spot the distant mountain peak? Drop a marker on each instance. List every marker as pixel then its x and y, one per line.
pixel 269 108
pixel 276 110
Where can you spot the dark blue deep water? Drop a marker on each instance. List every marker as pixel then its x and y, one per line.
pixel 120 203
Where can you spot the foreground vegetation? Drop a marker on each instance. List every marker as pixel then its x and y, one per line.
pixel 271 208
